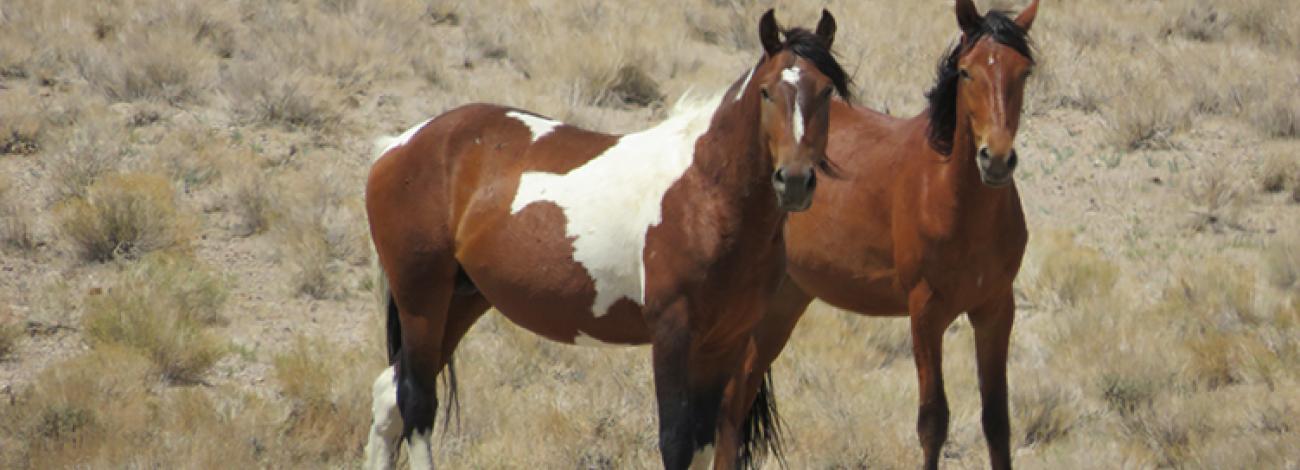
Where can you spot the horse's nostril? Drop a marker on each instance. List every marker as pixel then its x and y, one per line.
pixel 984 153
pixel 812 180
pixel 1012 160
pixel 779 175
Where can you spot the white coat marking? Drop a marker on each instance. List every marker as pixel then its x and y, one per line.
pixel 703 458
pixel 419 450
pixel 386 424
pixel 582 339
pixel 992 60
pixel 792 76
pixel 539 126
pixel 611 201
pixel 388 143
pixel 740 92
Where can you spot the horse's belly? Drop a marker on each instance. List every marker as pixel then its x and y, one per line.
pixel 872 292
pixel 524 266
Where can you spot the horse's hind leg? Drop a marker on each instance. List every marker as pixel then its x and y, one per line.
pixel 992 324
pixel 386 424
pixel 386 429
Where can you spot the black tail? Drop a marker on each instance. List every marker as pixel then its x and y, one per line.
pixel 761 433
pixel 394 328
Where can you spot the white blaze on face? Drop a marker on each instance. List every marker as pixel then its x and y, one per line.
pixel 386 144
pixel 792 76
pixel 538 126
pixel 610 202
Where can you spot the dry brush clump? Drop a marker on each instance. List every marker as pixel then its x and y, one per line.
pixel 1071 273
pixel 320 225
pixel 16 217
pixel 162 308
pixel 327 389
pixel 125 215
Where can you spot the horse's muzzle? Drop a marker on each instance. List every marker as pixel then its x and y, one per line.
pixel 996 171
pixel 794 188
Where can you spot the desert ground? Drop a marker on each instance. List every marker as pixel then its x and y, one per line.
pixel 185 276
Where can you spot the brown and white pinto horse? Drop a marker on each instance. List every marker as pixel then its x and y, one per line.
pixel 926 221
pixel 670 236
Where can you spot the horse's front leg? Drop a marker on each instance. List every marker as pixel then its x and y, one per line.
pixel 992 324
pixel 670 348
pixel 929 320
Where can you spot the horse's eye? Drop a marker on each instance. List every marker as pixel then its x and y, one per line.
pixel 826 93
pixel 766 96
pixel 965 75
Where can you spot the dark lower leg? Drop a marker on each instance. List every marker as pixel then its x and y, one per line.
pixel 992 337
pixel 671 351
pixel 928 325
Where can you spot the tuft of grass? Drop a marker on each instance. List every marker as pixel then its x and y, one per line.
pixel 1044 413
pixel 1280 115
pixel 10 334
pixel 327 399
pixel 293 101
pixel 1282 261
pixel 22 128
pixel 79 404
pixel 149 64
pixel 250 196
pixel 1278 170
pixel 125 215
pixel 162 308
pixel 95 147
pixel 15 218
pixel 320 225
pixel 1074 273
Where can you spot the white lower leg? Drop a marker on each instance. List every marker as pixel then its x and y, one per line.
pixel 386 424
pixel 419 448
pixel 703 458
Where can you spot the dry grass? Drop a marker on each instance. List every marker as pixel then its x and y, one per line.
pixel 252 122
pixel 11 333
pixel 162 308
pixel 321 226
pixel 1071 273
pixel 125 215
pixel 328 398
pixel 16 218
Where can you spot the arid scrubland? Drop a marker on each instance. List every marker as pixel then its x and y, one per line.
pixel 185 275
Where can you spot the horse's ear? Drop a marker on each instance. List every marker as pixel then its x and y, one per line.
pixel 968 18
pixel 1026 18
pixel 769 32
pixel 826 28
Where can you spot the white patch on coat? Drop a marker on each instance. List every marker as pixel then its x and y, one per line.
pixel 703 458
pixel 740 92
pixel 419 450
pixel 582 339
pixel 386 422
pixel 388 143
pixel 538 126
pixel 992 60
pixel 610 202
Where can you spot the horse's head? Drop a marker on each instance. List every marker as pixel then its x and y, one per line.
pixel 795 80
pixel 985 75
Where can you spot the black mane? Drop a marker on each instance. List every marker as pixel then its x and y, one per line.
pixel 809 45
pixel 942 96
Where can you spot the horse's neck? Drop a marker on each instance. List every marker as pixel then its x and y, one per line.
pixel 973 201
pixel 733 157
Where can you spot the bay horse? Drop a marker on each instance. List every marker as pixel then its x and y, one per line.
pixel 671 236
pixel 925 222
